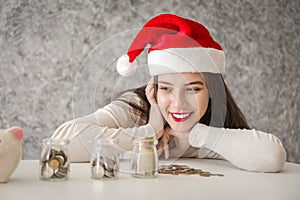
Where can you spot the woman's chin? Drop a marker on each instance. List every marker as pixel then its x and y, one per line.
pixel 181 129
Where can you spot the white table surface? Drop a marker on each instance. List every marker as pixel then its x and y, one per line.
pixel 236 184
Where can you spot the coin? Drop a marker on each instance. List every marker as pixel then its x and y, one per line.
pixel 53 163
pixel 109 174
pixel 97 171
pixel 62 172
pixel 61 159
pixel 109 165
pixel 206 174
pixel 46 172
pixel 104 168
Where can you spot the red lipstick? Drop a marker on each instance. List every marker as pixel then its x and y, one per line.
pixel 180 117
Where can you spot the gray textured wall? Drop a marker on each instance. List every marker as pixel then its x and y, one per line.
pixel 43 44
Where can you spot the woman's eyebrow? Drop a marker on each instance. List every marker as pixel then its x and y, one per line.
pixel 194 83
pixel 190 83
pixel 163 82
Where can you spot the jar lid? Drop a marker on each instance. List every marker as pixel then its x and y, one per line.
pixel 145 140
pixel 56 141
pixel 105 142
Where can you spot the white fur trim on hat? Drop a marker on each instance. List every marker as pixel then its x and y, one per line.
pixel 124 67
pixel 178 60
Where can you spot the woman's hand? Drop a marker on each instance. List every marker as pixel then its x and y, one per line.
pixel 163 142
pixel 155 117
pixel 179 138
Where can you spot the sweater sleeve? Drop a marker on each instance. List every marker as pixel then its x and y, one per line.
pixel 114 121
pixel 247 149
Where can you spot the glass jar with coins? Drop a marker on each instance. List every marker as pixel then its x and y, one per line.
pixel 54 162
pixel 144 158
pixel 105 159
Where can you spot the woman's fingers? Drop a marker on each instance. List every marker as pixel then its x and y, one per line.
pixel 166 148
pixel 163 146
pixel 170 132
pixel 160 134
pixel 159 148
pixel 159 152
pixel 156 119
pixel 150 93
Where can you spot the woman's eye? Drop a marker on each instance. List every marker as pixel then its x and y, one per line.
pixel 193 89
pixel 165 88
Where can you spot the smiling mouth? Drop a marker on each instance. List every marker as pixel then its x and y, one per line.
pixel 180 117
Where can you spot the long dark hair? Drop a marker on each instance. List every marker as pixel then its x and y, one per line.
pixel 222 110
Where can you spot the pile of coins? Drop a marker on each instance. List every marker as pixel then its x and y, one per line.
pixel 175 169
pixel 104 168
pixel 54 165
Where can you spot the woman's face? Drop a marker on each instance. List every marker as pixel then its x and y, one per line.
pixel 183 99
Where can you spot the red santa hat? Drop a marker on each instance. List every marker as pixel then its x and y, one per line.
pixel 176 45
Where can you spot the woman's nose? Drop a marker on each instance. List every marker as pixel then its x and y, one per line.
pixel 178 100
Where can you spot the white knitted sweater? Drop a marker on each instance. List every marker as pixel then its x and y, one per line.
pixel 247 149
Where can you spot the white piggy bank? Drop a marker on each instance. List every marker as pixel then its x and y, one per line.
pixel 10 151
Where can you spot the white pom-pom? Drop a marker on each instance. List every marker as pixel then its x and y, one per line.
pixel 124 67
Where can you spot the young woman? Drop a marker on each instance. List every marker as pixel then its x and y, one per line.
pixel 186 105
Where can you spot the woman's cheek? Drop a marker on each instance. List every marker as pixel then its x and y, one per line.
pixel 200 103
pixel 203 105
pixel 163 102
pixel 162 99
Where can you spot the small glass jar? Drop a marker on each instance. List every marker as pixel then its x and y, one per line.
pixel 144 159
pixel 105 159
pixel 54 162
